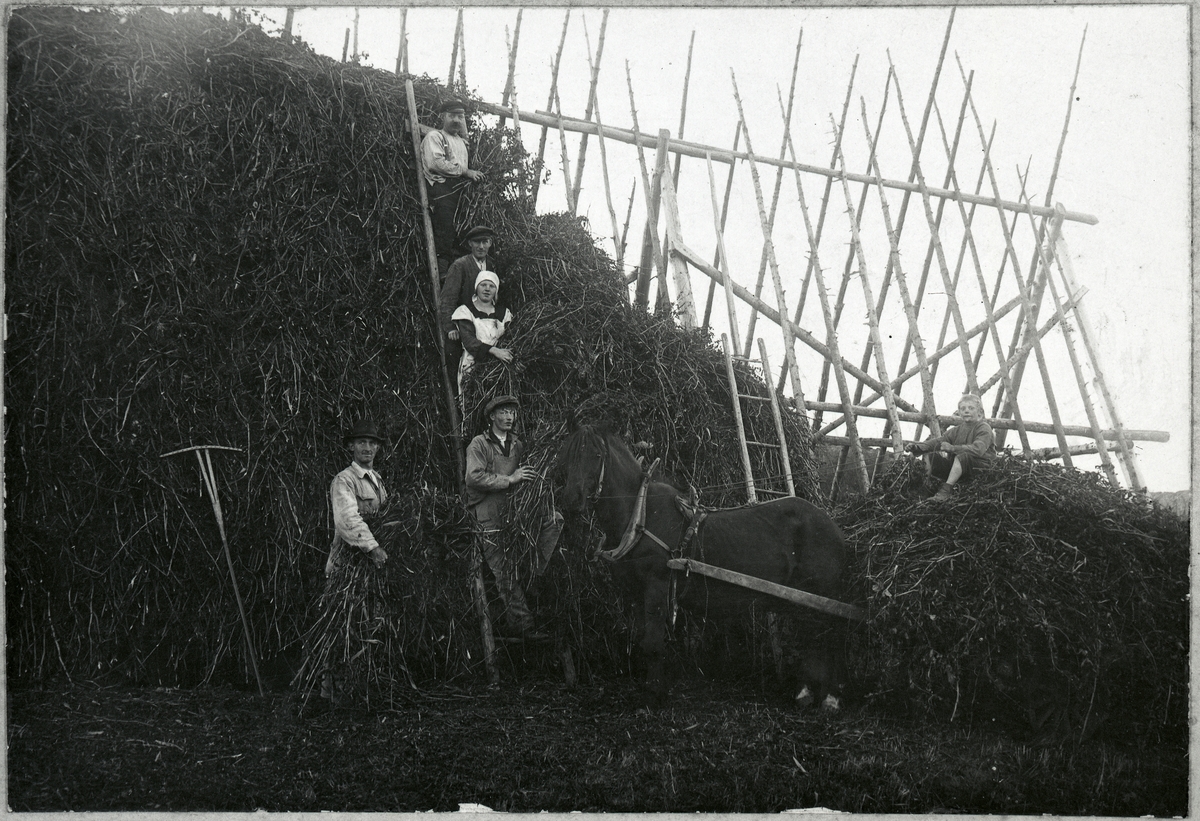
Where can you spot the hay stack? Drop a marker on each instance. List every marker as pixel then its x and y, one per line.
pixel 214 237
pixel 1037 595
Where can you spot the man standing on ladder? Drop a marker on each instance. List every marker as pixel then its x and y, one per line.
pixel 445 164
pixel 494 466
pixel 458 287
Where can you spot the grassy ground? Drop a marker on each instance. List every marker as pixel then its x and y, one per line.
pixel 538 746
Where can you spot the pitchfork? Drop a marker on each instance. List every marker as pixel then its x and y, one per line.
pixel 204 457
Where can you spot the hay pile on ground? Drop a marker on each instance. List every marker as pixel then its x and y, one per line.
pixel 1037 595
pixel 214 237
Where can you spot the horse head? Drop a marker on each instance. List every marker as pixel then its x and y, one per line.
pixel 579 468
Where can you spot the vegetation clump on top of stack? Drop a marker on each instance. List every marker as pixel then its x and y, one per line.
pixel 215 237
pixel 1037 595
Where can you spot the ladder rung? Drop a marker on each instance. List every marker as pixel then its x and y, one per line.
pixel 760 491
pixel 755 398
pixel 762 444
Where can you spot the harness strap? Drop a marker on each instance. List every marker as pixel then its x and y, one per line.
pixel 637 523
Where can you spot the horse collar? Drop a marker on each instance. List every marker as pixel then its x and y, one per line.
pixel 637 523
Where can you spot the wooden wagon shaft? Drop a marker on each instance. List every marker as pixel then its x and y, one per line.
pixel 1003 424
pixel 698 150
pixel 770 313
pixel 791 594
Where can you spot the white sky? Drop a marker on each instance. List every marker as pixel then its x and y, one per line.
pixel 1126 157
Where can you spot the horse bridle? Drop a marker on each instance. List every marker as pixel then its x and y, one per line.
pixel 595 495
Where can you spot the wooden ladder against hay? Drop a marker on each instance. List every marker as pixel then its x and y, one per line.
pixel 477 588
pixel 753 489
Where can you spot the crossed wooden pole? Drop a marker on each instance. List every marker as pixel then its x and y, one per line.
pixel 204 458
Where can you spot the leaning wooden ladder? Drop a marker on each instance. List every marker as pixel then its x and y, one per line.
pixel 736 398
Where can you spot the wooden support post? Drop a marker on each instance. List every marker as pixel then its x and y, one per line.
pixel 662 298
pixel 1069 338
pixel 969 238
pixel 770 313
pixel 718 254
pixel 787 125
pixel 618 241
pixel 889 398
pixel 402 49
pixel 1041 233
pixel 687 79
pixel 831 337
pixel 510 89
pixel 808 273
pixel 723 259
pixel 951 298
pixel 737 417
pixel 288 18
pixel 581 155
pixel 685 303
pixel 785 322
pixel 458 23
pixel 354 54
pixel 625 229
pixel 346 45
pixel 1026 301
pixel 912 176
pixel 462 57
pixel 652 254
pixel 541 155
pixel 1063 258
pixel 844 282
pixel 914 330
pixel 566 163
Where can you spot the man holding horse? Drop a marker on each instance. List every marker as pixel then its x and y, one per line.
pixel 493 468
pixel 955 455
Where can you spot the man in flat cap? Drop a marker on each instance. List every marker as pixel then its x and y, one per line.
pixel 458 287
pixel 445 165
pixel 493 467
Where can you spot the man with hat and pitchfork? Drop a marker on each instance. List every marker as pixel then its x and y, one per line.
pixel 493 467
pixel 444 162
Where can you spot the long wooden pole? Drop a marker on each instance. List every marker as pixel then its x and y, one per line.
pixel 949 348
pixel 662 295
pixel 787 125
pixel 785 322
pixel 1035 268
pixel 1030 315
pixel 699 263
pixel 844 282
pixel 402 49
pixel 808 273
pixel 889 398
pixel 718 254
pixel 831 337
pixel 1069 338
pixel 581 155
pixel 510 89
pixel 1063 258
pixel 723 260
pixel 951 298
pixel 566 162
pixel 914 329
pixel 651 232
pixel 687 80
pixel 685 303
pixel 698 150
pixel 776 416
pixel 541 155
pixel 969 238
pixel 734 397
pixel 458 23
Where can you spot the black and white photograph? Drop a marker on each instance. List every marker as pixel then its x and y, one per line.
pixel 582 409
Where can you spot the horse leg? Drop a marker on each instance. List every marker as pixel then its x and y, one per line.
pixel 654 637
pixel 822 667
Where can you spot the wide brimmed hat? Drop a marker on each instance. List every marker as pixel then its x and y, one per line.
pixel 451 105
pixel 499 402
pixel 363 429
pixel 479 232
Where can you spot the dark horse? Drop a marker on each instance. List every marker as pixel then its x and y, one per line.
pixel 787 541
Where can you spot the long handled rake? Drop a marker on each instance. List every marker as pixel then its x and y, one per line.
pixel 204 457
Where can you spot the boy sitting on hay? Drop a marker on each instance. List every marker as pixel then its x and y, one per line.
pixel 953 456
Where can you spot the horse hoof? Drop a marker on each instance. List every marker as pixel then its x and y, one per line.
pixel 805 698
pixel 831 704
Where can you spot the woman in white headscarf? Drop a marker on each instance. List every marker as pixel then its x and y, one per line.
pixel 481 323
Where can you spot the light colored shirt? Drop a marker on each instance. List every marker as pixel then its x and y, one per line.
pixel 443 155
pixel 354 493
